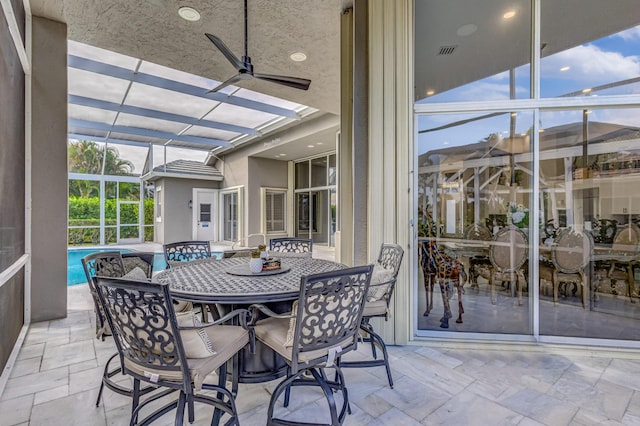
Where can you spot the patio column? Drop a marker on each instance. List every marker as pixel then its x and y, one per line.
pixel 49 178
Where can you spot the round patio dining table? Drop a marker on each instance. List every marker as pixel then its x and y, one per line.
pixel 228 282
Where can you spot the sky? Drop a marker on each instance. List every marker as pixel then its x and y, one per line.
pixel 607 60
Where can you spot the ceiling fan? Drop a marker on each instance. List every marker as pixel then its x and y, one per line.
pixel 245 68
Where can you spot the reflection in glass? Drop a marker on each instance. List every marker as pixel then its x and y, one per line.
pixel 472 51
pixel 474 191
pixel 590 161
pixel 319 172
pixel 332 169
pixel 302 175
pixel 590 60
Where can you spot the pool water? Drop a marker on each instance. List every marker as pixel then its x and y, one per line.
pixel 75 273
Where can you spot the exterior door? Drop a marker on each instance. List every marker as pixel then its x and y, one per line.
pixel 205 214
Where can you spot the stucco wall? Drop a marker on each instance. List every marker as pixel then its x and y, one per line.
pixel 49 164
pixel 177 216
pixel 263 172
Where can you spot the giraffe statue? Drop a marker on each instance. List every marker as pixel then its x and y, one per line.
pixel 447 271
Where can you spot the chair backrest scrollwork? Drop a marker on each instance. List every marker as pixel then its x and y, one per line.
pixel 185 251
pixel 329 310
pixel 143 322
pixel 291 245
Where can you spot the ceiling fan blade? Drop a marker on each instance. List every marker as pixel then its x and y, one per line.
pixel 237 63
pixel 233 80
pixel 295 82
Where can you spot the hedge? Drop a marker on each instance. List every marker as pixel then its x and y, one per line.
pixel 86 212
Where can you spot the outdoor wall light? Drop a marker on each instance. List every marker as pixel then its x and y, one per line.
pixel 190 204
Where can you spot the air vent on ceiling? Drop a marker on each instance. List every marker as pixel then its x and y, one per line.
pixel 446 50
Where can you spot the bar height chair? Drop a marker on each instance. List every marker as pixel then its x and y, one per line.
pixel 288 246
pixel 107 264
pixel 186 251
pixel 322 326
pixel 170 350
pixel 383 283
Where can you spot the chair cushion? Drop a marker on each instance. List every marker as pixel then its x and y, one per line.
pixel 229 340
pixel 196 342
pixel 376 308
pixel 136 274
pixel 273 332
pixel 380 282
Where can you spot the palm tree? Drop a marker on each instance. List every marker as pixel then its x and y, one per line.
pixel 87 157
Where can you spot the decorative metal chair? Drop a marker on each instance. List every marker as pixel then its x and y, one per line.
pixel 508 254
pixel 106 264
pixel 186 251
pixel 438 266
pixel 570 256
pixel 169 350
pixel 142 260
pixel 383 283
pixel 291 246
pixel 322 326
pixel 626 242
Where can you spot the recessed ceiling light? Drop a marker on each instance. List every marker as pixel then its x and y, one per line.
pixel 587 90
pixel 310 146
pixel 514 114
pixel 189 13
pixel 283 155
pixel 565 68
pixel 430 92
pixel 318 143
pixel 298 57
pixel 541 131
pixel 510 14
pixel 467 30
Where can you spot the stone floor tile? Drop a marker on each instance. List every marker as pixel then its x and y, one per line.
pixel 37 382
pixel 623 372
pixel 74 410
pixel 395 417
pixel 31 351
pixel 541 407
pixel 25 366
pixel 85 365
pixel 71 353
pixel 468 408
pixel 51 394
pixel 85 380
pixel 15 411
pixel 415 398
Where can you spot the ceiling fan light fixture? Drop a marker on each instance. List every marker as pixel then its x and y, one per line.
pixel 189 13
pixel 298 56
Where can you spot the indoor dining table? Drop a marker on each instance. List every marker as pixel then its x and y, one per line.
pixel 229 284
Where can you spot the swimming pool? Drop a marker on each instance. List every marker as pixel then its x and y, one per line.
pixel 75 273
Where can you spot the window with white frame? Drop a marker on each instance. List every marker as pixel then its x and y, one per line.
pixel 231 219
pixel 159 195
pixel 274 202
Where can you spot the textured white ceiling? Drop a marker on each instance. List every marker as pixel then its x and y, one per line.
pixel 152 31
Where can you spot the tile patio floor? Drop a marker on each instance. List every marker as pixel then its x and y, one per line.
pixel 56 377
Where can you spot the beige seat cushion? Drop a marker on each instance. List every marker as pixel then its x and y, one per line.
pixel 136 274
pixel 380 278
pixel 273 332
pixel 196 342
pixel 228 340
pixel 375 308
